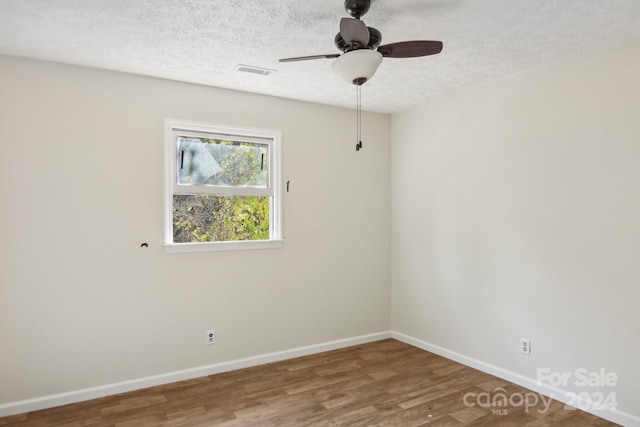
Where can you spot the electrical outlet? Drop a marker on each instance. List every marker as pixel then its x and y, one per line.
pixel 211 336
pixel 525 346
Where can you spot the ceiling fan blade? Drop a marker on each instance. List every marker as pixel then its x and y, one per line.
pixel 411 49
pixel 306 58
pixel 354 30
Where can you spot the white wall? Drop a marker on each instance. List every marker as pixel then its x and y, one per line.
pixel 81 184
pixel 516 213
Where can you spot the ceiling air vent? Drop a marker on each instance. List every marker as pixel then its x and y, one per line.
pixel 254 70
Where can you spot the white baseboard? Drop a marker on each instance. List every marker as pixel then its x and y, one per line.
pixel 19 407
pixel 612 415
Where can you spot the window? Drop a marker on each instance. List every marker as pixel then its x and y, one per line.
pixel 222 188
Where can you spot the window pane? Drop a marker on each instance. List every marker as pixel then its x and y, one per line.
pixel 210 218
pixel 220 162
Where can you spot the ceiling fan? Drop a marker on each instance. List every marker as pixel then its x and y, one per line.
pixel 362 53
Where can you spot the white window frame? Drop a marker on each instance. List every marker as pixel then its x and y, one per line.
pixel 265 136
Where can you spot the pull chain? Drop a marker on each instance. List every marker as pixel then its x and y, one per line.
pixel 359 117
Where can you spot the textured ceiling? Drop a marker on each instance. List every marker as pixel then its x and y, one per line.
pixel 202 41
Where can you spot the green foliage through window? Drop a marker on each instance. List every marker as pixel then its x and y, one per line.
pixel 222 162
pixel 214 217
pixel 210 217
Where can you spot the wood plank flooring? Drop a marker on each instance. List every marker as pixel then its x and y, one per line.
pixel 385 383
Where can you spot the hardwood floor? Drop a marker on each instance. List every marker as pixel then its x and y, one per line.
pixel 385 383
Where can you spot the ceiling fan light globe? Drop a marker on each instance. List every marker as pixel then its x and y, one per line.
pixel 356 65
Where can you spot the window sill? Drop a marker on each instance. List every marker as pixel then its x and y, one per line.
pixel 222 246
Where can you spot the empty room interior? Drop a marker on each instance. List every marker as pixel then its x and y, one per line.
pixel 473 207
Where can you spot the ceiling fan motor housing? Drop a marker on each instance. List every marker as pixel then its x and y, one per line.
pixel 357 8
pixel 375 38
